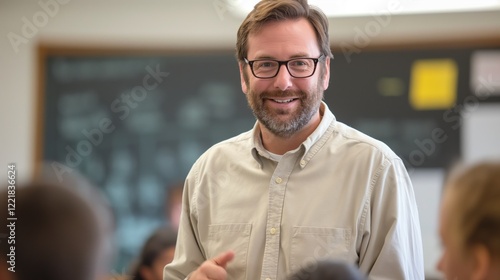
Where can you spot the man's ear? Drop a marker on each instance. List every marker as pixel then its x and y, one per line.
pixel 326 73
pixel 244 85
pixel 482 262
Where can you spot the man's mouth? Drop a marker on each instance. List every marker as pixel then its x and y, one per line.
pixel 283 100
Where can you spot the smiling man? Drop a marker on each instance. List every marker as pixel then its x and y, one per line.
pixel 300 186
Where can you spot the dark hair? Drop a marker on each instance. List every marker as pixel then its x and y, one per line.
pixel 271 10
pixel 328 270
pixel 160 240
pixel 56 232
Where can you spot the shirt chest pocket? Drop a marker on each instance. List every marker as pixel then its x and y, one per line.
pixel 236 237
pixel 310 244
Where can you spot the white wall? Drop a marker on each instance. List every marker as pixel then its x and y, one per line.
pixel 175 24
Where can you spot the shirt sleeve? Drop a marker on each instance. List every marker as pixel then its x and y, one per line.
pixel 188 253
pixel 392 242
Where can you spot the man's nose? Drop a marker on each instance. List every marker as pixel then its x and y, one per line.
pixel 283 81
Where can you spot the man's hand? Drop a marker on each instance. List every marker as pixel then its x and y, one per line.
pixel 213 269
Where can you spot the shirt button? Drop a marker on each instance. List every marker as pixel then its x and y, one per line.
pixel 279 180
pixel 302 163
pixel 273 231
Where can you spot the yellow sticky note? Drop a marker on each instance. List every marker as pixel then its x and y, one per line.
pixel 433 84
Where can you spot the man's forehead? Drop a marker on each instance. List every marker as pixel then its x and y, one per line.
pixel 295 37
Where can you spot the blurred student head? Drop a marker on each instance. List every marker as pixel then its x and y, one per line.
pixel 56 235
pixel 158 251
pixel 328 270
pixel 470 223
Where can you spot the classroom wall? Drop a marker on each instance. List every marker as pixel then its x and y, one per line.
pixel 175 24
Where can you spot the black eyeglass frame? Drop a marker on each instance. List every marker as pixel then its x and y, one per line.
pixel 284 62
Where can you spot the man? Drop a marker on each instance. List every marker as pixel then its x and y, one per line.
pixel 299 187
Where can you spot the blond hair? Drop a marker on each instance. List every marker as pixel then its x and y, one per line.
pixel 475 212
pixel 272 10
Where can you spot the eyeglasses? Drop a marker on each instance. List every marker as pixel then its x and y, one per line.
pixel 297 67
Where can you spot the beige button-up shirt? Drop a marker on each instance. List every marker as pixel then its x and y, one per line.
pixel 340 195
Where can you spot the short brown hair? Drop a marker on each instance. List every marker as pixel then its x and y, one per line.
pixel 272 10
pixel 476 212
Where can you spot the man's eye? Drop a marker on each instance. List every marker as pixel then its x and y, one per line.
pixel 265 64
pixel 299 63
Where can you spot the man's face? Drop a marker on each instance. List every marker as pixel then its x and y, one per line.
pixel 284 104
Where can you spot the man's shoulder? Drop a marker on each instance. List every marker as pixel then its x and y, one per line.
pixel 347 135
pixel 224 152
pixel 237 144
pixel 240 140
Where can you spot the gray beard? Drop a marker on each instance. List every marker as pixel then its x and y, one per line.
pixel 285 129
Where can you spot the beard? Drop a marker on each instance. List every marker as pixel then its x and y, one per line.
pixel 285 122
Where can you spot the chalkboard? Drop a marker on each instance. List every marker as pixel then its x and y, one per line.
pixel 134 122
